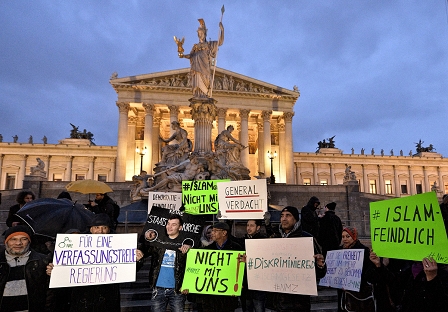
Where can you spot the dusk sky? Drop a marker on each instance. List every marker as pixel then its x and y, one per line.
pixel 372 73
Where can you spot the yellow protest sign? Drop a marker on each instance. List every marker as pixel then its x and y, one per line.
pixel 409 228
pixel 201 196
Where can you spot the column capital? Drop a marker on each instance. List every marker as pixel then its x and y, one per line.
pixel 244 113
pixel 69 158
pixel 260 126
pixel 174 110
pixel 23 157
pixel 46 157
pixel 266 115
pixel 288 116
pixel 281 127
pixel 91 158
pixel 222 112
pixel 149 108
pixel 132 120
pixel 123 107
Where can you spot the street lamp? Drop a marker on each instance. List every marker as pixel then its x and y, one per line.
pixel 141 153
pixel 271 157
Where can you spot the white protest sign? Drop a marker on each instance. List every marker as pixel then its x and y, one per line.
pixel 165 200
pixel 93 259
pixel 344 268
pixel 284 265
pixel 246 199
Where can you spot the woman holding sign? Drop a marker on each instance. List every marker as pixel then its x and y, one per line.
pixel 364 299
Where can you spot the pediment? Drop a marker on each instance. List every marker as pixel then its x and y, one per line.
pixel 225 82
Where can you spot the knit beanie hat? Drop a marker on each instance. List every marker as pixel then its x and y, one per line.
pixel 331 206
pixel 351 231
pixel 294 211
pixel 18 230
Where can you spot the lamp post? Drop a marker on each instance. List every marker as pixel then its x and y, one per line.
pixel 271 157
pixel 141 153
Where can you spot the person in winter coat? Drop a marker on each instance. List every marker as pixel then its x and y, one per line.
pixel 310 219
pixel 22 198
pixel 330 229
pixel 290 226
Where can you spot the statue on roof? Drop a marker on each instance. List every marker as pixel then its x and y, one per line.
pixel 202 57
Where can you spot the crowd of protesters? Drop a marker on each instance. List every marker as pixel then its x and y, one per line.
pixel 386 284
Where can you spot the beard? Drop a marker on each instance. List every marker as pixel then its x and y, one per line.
pixel 10 251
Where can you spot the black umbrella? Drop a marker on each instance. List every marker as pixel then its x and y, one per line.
pixel 49 216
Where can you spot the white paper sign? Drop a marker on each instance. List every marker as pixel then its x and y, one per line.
pixel 284 265
pixel 168 200
pixel 246 199
pixel 344 268
pixel 93 259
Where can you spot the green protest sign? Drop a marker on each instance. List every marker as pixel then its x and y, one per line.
pixel 409 228
pixel 213 272
pixel 201 196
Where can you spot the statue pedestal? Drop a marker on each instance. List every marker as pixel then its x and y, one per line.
pixel 428 154
pixel 329 151
pixel 204 112
pixel 75 142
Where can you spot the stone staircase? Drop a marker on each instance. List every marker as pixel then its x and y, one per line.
pixel 135 297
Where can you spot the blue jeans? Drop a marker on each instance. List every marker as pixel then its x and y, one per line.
pixel 161 297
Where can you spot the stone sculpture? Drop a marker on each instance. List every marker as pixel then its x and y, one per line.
pixel 38 170
pixel 30 140
pixel 174 154
pixel 349 174
pixel 44 139
pixel 15 138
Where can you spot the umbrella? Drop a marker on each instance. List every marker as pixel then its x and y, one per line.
pixel 88 187
pixel 49 216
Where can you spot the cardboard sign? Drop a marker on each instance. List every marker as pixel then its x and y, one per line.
pixel 216 272
pixel 200 197
pixel 93 259
pixel 344 269
pixel 409 228
pixel 284 265
pixel 190 234
pixel 247 199
pixel 167 200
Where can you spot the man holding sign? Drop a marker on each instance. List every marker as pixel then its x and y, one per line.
pixel 167 268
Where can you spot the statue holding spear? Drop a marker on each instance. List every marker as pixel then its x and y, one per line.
pixel 201 57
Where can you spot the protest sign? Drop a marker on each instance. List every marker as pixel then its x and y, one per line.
pixel 344 269
pixel 93 259
pixel 409 228
pixel 201 196
pixel 245 199
pixel 190 234
pixel 284 265
pixel 214 272
pixel 167 200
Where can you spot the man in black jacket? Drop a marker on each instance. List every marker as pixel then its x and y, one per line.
pixel 23 282
pixel 290 226
pixel 103 204
pixel 330 229
pixel 310 219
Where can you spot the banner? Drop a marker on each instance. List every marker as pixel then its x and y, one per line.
pixel 344 269
pixel 214 272
pixel 246 199
pixel 201 196
pixel 190 234
pixel 284 265
pixel 93 259
pixel 167 200
pixel 409 228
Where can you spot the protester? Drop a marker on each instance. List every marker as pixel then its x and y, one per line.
pixel 64 194
pixel 364 299
pixel 206 237
pixel 290 226
pixel 221 241
pixel 167 268
pixel 330 229
pixel 95 298
pixel 103 204
pixel 310 219
pixel 22 198
pixel 23 282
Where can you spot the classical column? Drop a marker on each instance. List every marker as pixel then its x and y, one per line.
pixel 120 171
pixel 90 174
pixel 289 155
pixel 203 112
pixel 22 171
pixel 222 114
pixel 132 163
pixel 148 139
pixel 439 172
pixel 426 186
pixel 299 180
pixel 244 136
pixel 261 150
pixel 112 170
pixel 156 142
pixel 411 181
pixel 315 177
pixel 68 171
pixel 331 174
pixel 282 150
pixel 380 180
pixel 267 139
pixel 46 160
pixel 397 182
pixel 2 187
pixel 174 116
pixel 365 179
